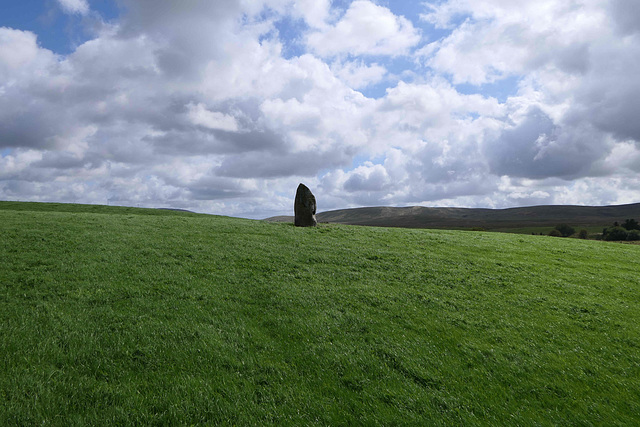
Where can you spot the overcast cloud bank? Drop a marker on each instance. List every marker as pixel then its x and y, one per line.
pixel 224 107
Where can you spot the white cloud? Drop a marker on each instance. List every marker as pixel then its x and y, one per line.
pixel 365 29
pixel 314 12
pixel 80 7
pixel 17 162
pixel 199 115
pixel 369 177
pixel 358 75
pixel 20 55
pixel 499 38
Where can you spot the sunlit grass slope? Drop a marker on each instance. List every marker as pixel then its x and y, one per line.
pixel 113 316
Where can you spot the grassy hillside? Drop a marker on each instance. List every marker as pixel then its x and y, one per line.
pixel 520 220
pixel 117 316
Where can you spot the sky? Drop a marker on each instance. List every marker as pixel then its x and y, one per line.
pixel 224 106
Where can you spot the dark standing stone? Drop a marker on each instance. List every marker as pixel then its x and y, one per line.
pixel 305 207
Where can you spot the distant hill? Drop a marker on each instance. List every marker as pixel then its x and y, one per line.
pixel 489 219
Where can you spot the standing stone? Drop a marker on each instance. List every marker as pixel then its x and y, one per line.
pixel 305 207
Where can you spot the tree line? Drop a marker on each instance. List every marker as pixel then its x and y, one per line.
pixel 629 230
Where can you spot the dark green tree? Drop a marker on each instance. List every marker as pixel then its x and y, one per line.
pixel 633 235
pixel 565 230
pixel 631 224
pixel 615 233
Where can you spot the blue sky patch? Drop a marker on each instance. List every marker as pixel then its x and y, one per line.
pixel 500 89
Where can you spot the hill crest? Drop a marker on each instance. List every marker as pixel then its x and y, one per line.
pixel 490 219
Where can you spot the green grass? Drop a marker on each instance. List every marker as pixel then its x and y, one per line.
pixel 118 316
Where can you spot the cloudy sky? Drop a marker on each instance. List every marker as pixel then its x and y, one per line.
pixel 225 106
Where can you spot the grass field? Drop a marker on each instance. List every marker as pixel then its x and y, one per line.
pixel 121 316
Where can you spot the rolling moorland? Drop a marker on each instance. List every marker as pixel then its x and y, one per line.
pixel 121 316
pixel 539 219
